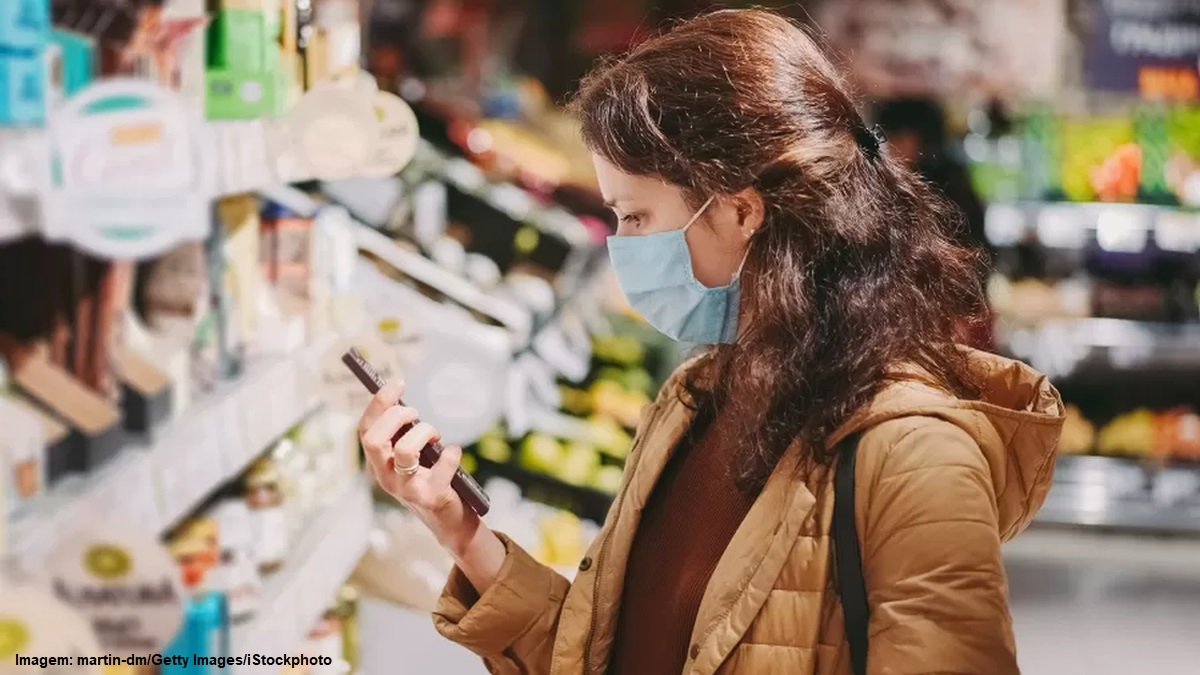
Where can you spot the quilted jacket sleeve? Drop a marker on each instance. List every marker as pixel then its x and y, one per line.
pixel 931 556
pixel 512 625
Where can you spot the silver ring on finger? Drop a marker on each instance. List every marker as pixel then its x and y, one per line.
pixel 406 470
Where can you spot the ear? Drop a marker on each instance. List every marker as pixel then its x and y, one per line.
pixel 750 208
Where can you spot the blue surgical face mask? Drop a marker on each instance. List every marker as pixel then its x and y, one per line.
pixel 655 272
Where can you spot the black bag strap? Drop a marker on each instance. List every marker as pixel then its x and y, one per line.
pixel 852 588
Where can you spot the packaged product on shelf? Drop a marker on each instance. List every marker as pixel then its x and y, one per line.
pixel 325 640
pixel 236 574
pixel 173 291
pixel 1101 160
pixel 347 614
pixel 195 546
pixel 1078 435
pixel 242 241
pixel 287 249
pixel 96 424
pixel 1132 433
pixel 1178 434
pixel 145 391
pixel 246 78
pixel 22 448
pixel 298 485
pixel 74 66
pixel 336 41
pixel 264 495
pixel 24 33
pixel 205 633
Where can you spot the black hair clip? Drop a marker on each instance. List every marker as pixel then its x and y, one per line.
pixel 870 139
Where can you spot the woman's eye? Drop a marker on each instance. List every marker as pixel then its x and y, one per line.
pixel 631 220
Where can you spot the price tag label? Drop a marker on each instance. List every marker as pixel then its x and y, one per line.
pixel 1122 230
pixel 124 583
pixel 1177 232
pixel 1061 227
pixel 1004 224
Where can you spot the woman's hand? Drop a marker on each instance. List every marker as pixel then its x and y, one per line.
pixel 426 491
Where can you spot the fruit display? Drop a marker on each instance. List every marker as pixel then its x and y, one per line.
pixel 1098 162
pixel 1142 433
pixel 1116 179
pixel 1128 434
pixel 575 459
pixel 1078 434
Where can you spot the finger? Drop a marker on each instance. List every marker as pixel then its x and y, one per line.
pixel 408 447
pixel 377 441
pixel 387 396
pixel 444 469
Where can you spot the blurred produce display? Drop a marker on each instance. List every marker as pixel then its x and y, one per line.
pixel 575 461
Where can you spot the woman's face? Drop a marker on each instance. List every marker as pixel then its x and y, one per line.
pixel 718 239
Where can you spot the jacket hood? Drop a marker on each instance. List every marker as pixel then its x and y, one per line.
pixel 1016 422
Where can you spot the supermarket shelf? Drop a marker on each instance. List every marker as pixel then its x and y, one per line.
pixel 1060 348
pixel 584 502
pixel 1119 228
pixel 295 597
pixel 1124 495
pixel 244 164
pixel 155 484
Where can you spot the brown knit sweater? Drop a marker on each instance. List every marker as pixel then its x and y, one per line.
pixel 686 525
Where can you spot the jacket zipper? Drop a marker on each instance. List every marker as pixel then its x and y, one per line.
pixel 591 634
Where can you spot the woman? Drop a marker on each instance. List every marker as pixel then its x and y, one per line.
pixel 760 217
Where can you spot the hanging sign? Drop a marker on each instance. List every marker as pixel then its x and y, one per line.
pixel 934 47
pixel 124 583
pixel 330 134
pixel 398 136
pixel 1149 47
pixel 49 636
pixel 130 171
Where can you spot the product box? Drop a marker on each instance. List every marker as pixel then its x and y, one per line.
pixel 22 90
pixel 22 454
pixel 24 31
pixel 76 62
pixel 145 392
pixel 96 425
pixel 244 40
pixel 246 96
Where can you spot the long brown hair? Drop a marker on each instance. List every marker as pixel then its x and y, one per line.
pixel 855 269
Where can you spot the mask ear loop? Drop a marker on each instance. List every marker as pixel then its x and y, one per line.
pixel 697 214
pixel 738 272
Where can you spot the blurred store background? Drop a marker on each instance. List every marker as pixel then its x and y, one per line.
pixel 203 203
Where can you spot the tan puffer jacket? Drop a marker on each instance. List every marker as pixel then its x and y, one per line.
pixel 941 483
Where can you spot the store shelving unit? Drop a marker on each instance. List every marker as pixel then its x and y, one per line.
pixel 255 171
pixel 154 484
pixel 1124 495
pixel 1111 366
pixel 294 598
